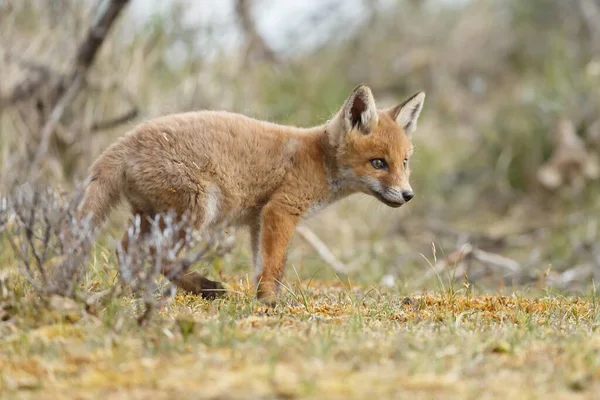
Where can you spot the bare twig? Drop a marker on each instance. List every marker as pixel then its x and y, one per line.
pixel 321 248
pixel 466 253
pixel 54 119
pixel 86 54
pixel 496 260
pixel 97 33
pixel 255 44
pixel 116 121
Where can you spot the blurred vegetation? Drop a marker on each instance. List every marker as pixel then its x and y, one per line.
pixel 499 75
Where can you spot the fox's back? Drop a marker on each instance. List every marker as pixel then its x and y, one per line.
pixel 178 160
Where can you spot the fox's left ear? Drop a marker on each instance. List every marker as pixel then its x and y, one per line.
pixel 407 113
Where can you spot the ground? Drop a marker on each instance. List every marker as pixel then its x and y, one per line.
pixel 327 339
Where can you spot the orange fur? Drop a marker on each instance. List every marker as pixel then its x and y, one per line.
pixel 215 165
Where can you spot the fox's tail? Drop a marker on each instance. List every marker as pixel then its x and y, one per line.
pixel 105 183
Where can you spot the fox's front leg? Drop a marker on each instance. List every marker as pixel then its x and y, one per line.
pixel 271 237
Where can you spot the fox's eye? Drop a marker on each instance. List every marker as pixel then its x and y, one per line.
pixel 405 163
pixel 378 163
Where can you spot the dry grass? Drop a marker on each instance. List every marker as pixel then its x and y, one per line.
pixel 325 340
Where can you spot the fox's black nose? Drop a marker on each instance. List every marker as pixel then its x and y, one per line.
pixel 407 195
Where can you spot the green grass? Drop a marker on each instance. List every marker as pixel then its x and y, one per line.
pixel 325 340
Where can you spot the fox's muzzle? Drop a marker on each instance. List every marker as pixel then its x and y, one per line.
pixel 393 197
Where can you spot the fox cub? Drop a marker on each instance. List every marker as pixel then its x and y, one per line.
pixel 214 165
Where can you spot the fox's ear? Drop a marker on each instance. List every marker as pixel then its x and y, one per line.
pixel 360 111
pixel 407 113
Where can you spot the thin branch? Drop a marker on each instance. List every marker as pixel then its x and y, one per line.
pixel 116 121
pixel 321 248
pixel 54 119
pixel 496 260
pixel 255 44
pixel 88 50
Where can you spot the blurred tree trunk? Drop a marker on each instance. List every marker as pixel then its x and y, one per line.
pixel 256 47
pixel 47 95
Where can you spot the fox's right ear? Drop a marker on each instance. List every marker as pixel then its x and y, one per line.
pixel 359 110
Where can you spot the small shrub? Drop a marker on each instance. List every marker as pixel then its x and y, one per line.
pixel 51 244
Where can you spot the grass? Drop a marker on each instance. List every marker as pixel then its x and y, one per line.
pixel 326 339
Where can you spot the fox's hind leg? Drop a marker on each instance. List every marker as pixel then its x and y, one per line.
pixel 191 281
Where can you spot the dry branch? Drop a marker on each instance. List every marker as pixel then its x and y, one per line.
pixel 566 278
pixel 67 88
pixel 255 43
pixel 121 119
pixel 53 120
pixel 497 261
pixel 321 248
pixel 457 259
pixel 87 51
pixel 116 121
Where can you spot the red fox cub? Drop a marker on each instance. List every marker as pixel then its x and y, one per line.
pixel 215 165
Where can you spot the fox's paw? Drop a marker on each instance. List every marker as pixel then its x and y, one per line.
pixel 269 300
pixel 266 296
pixel 196 283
